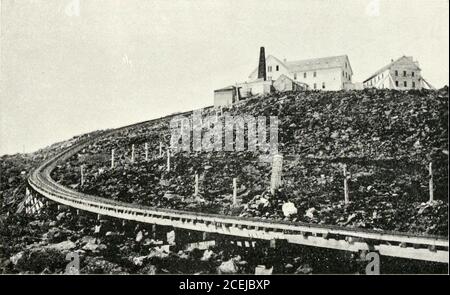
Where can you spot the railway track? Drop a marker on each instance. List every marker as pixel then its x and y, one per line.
pixel 387 243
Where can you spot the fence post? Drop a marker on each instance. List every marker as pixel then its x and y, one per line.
pixel 132 153
pixel 168 160
pixel 431 186
pixel 196 185
pixel 146 151
pixel 82 174
pixel 112 158
pixel 346 198
pixel 160 149
pixel 234 191
pixel 277 166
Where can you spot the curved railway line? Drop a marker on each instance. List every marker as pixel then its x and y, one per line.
pixel 387 243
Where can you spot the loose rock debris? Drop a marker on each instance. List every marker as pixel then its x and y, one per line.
pixel 386 139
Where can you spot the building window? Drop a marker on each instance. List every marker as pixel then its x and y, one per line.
pixel 323 85
pixel 269 68
pixel 396 83
pixel 295 76
pixel 412 74
pixel 315 86
pixel 343 75
pixel 396 73
pixel 314 74
pixel 304 75
pixel 345 64
pixel 269 78
pixel 413 84
pixel 277 68
pixel 405 83
pixel 404 73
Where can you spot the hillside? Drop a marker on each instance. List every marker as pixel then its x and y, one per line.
pixel 385 137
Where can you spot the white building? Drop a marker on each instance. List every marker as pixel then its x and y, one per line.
pixel 403 74
pixel 328 73
pixel 272 74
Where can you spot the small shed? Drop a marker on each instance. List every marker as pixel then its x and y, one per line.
pixel 284 83
pixel 226 96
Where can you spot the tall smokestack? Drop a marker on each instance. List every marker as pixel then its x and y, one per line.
pixel 262 64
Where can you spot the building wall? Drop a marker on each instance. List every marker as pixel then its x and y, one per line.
pixel 332 78
pixel 380 81
pixel 401 73
pixel 398 79
pixel 353 86
pixel 397 74
pixel 255 87
pixel 223 98
pixel 283 84
pixel 271 70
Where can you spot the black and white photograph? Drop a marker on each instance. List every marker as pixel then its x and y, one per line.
pixel 224 137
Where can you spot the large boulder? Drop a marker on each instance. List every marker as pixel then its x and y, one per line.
pixel 228 267
pixel 289 209
pixel 62 246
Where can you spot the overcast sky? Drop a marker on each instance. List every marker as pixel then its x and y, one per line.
pixel 66 71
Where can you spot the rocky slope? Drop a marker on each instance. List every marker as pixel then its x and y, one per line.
pixel 386 152
pixel 385 137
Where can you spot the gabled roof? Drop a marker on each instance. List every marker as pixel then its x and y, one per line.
pixel 408 58
pixel 319 63
pixel 270 56
pixel 284 77
pixel 312 64
pixel 231 87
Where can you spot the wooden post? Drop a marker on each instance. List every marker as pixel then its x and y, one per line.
pixel 132 153
pixel 277 166
pixel 112 159
pixel 153 229
pixel 146 151
pixel 431 186
pixel 168 160
pixel 205 236
pixel 346 199
pixel 196 185
pixel 160 149
pixel 234 191
pixel 82 174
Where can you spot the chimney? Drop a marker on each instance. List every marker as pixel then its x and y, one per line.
pixel 262 64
